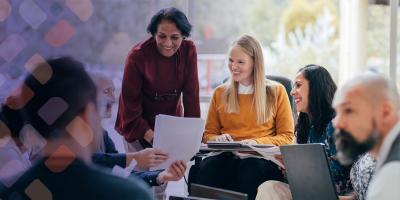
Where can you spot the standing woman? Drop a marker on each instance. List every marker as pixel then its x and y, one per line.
pixel 249 109
pixel 160 75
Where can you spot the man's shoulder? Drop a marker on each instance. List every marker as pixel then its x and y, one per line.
pixel 386 183
pixel 394 152
pixel 389 171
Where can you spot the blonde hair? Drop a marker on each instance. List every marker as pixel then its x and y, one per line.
pixel 264 95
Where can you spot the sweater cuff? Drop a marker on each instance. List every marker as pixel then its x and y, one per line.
pixel 150 177
pixel 109 159
pixel 209 138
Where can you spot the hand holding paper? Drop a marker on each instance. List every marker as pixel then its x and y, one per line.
pixel 178 136
pixel 173 173
pixel 147 158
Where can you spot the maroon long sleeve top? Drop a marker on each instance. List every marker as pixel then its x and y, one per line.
pixel 149 82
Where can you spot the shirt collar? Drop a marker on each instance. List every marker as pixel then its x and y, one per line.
pixel 387 144
pixel 245 89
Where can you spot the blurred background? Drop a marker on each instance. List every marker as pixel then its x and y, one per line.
pixel 345 36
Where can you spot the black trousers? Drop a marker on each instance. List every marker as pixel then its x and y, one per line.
pixel 227 171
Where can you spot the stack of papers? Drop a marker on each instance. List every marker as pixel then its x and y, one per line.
pixel 265 151
pixel 269 154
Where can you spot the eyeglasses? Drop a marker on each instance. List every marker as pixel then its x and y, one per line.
pixel 166 96
pixel 173 38
pixel 109 91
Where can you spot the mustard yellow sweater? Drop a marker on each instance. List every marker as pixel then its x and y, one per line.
pixel 278 130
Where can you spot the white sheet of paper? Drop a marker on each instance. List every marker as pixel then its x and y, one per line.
pixel 124 172
pixel 180 137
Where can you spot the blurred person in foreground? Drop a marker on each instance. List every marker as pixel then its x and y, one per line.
pixel 58 100
pixel 367 120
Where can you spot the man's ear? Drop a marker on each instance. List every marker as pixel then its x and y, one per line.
pixel 387 110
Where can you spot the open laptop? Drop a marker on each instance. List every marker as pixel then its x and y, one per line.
pixel 308 172
pixel 197 190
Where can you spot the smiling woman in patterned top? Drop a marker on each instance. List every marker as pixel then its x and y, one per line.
pixel 313 91
pixel 313 94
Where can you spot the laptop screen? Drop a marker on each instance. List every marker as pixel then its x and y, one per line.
pixel 197 190
pixel 308 172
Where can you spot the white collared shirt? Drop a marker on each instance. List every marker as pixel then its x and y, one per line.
pixel 245 89
pixel 386 183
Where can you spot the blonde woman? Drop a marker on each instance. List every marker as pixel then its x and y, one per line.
pixel 252 110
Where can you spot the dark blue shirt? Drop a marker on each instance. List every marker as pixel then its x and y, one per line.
pixel 110 157
pixel 340 174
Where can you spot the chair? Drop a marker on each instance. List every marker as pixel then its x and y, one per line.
pixel 286 82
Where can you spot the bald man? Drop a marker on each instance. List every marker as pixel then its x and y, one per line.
pixel 367 120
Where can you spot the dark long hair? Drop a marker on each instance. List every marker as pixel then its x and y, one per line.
pixel 320 112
